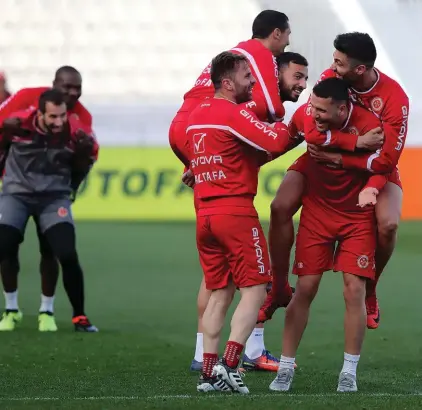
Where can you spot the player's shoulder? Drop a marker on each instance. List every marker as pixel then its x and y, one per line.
pixel 390 86
pixel 82 113
pixel 34 92
pixel 328 73
pixel 361 117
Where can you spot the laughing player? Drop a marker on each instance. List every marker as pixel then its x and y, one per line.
pixel 45 157
pixel 354 59
pixel 223 142
pixel 334 233
pixel 68 81
pixel 270 36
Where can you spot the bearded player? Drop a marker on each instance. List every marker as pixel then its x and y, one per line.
pixel 334 233
pixel 270 36
pixel 354 59
pixel 68 81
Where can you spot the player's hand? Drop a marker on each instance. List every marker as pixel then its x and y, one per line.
pixel 368 197
pixel 372 140
pixel 188 178
pixel 332 159
pixel 12 123
pixel 84 142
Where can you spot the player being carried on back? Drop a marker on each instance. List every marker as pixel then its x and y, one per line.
pixel 270 36
pixel 354 59
pixel 68 81
pixel 224 143
pixel 334 232
pixel 45 160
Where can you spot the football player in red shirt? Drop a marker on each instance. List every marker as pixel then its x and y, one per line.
pixel 68 80
pixel 270 36
pixel 354 59
pixel 293 74
pixel 224 143
pixel 334 233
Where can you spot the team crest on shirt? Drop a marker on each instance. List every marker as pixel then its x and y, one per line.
pixel 308 109
pixel 353 130
pixel 62 212
pixel 377 104
pixel 363 261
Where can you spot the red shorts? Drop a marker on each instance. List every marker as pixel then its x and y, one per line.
pixel 178 140
pixel 316 250
pixel 300 165
pixel 232 247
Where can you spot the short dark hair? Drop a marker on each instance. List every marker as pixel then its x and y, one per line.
pixel 267 21
pixel 224 64
pixel 65 69
pixel 334 88
pixel 288 57
pixel 51 95
pixel 358 46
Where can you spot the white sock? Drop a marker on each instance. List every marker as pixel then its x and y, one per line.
pixel 287 362
pixel 47 304
pixel 255 344
pixel 350 363
pixel 11 300
pixel 199 350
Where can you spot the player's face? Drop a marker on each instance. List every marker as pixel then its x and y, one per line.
pixel 347 68
pixel 281 40
pixel 327 113
pixel 70 84
pixel 292 81
pixel 54 118
pixel 243 83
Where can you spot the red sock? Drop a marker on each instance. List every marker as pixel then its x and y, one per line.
pixel 210 360
pixel 232 353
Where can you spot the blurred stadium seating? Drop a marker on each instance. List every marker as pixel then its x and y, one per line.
pixel 138 58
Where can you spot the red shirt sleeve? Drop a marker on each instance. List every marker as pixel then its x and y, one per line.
pixel 330 138
pixel 84 115
pixel 296 125
pixel 245 125
pixel 264 66
pixel 376 181
pixel 394 124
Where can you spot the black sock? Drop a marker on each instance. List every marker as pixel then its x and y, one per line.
pixel 74 285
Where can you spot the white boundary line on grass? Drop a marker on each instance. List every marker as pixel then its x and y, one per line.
pixel 219 396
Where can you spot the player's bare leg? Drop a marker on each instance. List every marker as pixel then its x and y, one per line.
pixel 256 357
pixel 242 324
pixel 354 330
pixel 297 314
pixel 387 210
pixel 212 324
pixel 281 238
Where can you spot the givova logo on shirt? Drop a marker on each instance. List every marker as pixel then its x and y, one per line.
pixel 199 143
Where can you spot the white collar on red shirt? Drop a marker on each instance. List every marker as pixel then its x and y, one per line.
pixel 375 84
pixel 348 117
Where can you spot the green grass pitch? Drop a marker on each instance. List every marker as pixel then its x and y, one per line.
pixel 141 284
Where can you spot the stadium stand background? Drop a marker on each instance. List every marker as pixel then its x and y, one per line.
pixel 137 61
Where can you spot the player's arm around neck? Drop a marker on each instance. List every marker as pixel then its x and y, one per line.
pixel 246 126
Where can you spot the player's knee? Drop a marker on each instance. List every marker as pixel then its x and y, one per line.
pixel 354 291
pixel 10 265
pixel 281 209
pixel 306 290
pixel 10 238
pixel 387 227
